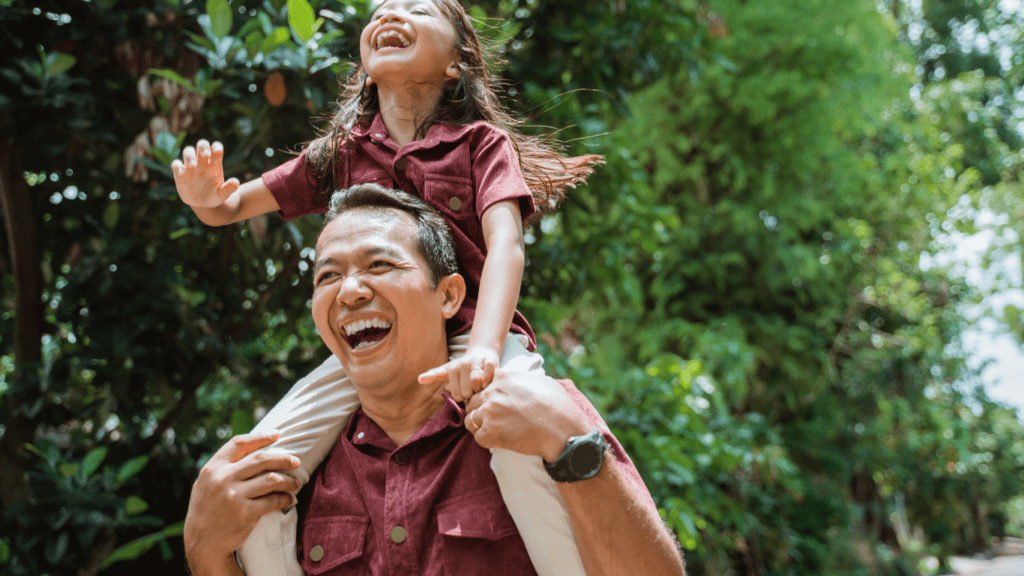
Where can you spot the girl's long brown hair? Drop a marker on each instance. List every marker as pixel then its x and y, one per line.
pixel 548 172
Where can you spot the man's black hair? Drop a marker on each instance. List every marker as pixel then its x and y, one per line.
pixel 433 237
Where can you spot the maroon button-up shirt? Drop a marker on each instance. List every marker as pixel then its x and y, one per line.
pixel 459 170
pixel 427 508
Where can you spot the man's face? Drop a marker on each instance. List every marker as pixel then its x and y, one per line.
pixel 373 303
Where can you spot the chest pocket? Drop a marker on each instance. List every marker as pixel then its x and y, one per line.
pixel 334 545
pixel 480 537
pixel 452 195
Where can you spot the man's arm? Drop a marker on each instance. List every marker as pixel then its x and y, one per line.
pixel 234 489
pixel 618 529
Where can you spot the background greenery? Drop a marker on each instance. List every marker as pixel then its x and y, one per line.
pixel 746 289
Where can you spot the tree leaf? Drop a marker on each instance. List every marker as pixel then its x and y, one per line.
pixel 111 214
pixel 132 550
pixel 131 468
pixel 300 19
pixel 220 15
pixel 92 461
pixel 56 548
pixel 173 76
pixel 134 505
pixel 276 38
pixel 59 63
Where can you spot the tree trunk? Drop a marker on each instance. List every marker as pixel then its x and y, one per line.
pixel 28 320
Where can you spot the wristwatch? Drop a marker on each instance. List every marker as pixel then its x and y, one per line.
pixel 582 458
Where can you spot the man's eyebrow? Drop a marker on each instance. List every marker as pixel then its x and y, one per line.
pixel 372 252
pixel 321 262
pixel 388 251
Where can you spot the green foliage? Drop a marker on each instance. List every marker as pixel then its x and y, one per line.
pixel 76 507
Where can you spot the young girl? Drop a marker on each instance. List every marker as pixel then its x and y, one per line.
pixel 420 114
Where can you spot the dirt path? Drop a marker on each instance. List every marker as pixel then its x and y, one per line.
pixel 998 566
pixel 1008 562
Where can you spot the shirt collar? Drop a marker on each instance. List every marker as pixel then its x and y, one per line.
pixel 362 430
pixel 436 134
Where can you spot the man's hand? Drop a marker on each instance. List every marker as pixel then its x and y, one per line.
pixel 525 413
pixel 615 524
pixel 199 176
pixel 467 374
pixel 234 489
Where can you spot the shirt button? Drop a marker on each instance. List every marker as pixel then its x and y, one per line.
pixel 402 457
pixel 401 163
pixel 377 136
pixel 455 204
pixel 360 435
pixel 398 534
pixel 316 554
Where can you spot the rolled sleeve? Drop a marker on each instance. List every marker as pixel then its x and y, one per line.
pixel 294 188
pixel 497 175
pixel 626 466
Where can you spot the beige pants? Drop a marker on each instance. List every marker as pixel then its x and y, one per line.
pixel 313 414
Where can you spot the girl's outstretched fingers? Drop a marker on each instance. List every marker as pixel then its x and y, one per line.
pixel 433 376
pixel 245 444
pixel 199 175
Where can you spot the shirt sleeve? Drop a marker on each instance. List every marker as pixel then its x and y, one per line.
pixel 294 189
pixel 497 175
pixel 626 466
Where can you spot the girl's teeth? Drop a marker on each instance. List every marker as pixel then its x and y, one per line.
pixel 385 35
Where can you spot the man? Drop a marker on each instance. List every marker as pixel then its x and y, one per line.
pixel 407 488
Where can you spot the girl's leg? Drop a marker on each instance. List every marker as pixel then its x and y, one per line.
pixel 310 418
pixel 530 494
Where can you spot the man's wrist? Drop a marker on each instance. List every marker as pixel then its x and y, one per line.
pixel 581 459
pixel 554 447
pixel 568 423
pixel 219 566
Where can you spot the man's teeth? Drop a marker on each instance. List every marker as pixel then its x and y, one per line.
pixel 365 344
pixel 360 325
pixel 392 33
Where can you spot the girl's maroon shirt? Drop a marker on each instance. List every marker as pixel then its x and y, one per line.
pixel 459 170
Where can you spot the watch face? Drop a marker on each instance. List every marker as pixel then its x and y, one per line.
pixel 586 459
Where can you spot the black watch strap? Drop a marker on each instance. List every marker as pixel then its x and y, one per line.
pixel 581 459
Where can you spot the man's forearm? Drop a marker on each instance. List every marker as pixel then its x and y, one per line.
pixel 226 567
pixel 616 531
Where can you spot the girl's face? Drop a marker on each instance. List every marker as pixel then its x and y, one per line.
pixel 409 40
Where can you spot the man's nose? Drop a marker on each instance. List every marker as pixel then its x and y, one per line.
pixel 353 291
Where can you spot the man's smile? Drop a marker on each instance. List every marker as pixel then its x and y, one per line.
pixel 365 332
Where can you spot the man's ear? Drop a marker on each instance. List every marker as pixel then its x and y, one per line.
pixel 453 288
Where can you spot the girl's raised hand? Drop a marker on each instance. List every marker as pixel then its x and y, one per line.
pixel 199 175
pixel 466 375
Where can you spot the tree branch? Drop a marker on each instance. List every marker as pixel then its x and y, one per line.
pixel 28 321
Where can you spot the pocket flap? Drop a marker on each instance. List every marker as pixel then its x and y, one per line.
pixel 480 515
pixel 330 541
